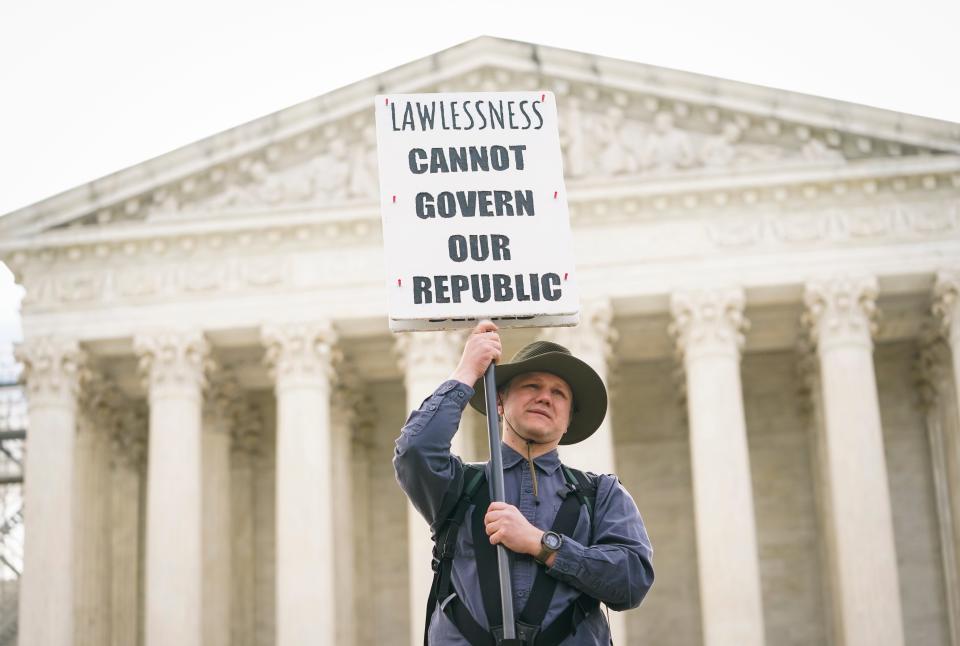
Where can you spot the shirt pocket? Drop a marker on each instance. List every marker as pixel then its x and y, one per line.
pixel 422 416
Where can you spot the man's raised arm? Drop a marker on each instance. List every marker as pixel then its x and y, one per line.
pixel 424 465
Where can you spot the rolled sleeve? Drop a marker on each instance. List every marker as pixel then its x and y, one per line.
pixel 424 466
pixel 617 568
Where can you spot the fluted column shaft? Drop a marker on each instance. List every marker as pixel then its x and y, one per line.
pixel 99 413
pixel 245 445
pixel 943 419
pixel 867 597
pixel 128 457
pixel 53 367
pixel 428 359
pixel 592 341
pixel 346 399
pixel 221 399
pixel 173 364
pixel 708 327
pixel 947 308
pixel 301 358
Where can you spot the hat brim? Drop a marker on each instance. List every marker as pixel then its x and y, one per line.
pixel 589 393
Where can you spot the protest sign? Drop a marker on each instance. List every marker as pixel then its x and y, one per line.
pixel 475 216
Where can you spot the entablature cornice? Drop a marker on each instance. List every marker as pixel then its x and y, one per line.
pixel 879 185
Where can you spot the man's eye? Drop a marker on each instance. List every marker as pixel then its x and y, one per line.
pixel 560 393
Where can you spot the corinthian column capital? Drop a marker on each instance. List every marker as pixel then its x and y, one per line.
pixel 173 360
pixel 300 351
pixel 593 337
pixel 54 369
pixel 429 353
pixel 708 322
pixel 841 311
pixel 946 305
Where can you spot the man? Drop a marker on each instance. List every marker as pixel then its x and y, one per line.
pixel 601 554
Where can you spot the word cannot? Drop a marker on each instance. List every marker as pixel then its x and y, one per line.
pixel 465 159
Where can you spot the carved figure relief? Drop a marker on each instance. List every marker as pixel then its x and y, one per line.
pixel 613 143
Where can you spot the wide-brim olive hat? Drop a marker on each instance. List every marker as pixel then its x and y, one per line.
pixel 589 393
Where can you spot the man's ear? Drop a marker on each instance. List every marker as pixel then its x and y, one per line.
pixel 499 405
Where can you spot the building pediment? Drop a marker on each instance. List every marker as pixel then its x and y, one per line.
pixel 620 121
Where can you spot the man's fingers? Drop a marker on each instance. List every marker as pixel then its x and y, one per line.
pixel 485 326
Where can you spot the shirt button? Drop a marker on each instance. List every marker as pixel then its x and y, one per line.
pixel 460 394
pixel 522 593
pixel 433 407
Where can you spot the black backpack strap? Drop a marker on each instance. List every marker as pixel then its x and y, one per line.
pixel 581 491
pixel 566 624
pixel 565 522
pixel 487 566
pixel 445 536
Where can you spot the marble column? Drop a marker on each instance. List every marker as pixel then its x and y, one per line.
pixel 943 424
pixel 301 357
pixel 427 359
pixel 592 341
pixel 867 612
pixel 947 308
pixel 99 413
pixel 347 395
pixel 364 524
pixel 173 364
pixel 53 371
pixel 127 482
pixel 247 435
pixel 709 326
pixel 221 397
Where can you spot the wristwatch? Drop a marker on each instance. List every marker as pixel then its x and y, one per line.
pixel 549 544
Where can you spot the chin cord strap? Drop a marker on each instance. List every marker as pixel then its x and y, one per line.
pixel 533 471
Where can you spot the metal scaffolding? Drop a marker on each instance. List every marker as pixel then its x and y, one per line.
pixel 13 432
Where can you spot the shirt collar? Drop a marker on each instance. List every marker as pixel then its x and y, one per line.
pixel 548 462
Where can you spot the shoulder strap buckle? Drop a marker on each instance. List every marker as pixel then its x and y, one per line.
pixel 526 635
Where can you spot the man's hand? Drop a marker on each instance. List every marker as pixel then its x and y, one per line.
pixel 505 524
pixel 482 348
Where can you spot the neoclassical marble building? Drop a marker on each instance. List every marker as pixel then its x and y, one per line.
pixel 770 288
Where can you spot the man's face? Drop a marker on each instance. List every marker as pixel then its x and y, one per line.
pixel 537 406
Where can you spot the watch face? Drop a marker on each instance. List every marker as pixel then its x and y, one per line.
pixel 552 540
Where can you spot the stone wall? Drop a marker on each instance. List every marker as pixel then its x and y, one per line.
pixel 653 462
pixel 912 497
pixel 787 526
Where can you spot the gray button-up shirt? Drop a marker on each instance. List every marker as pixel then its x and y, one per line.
pixel 610 561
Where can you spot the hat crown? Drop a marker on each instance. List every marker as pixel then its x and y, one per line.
pixel 538 348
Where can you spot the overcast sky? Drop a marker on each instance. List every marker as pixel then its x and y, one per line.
pixel 88 88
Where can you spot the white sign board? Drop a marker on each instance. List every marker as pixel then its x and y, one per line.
pixel 475 216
